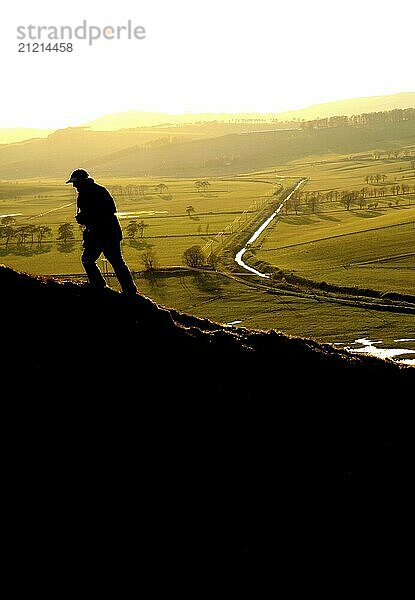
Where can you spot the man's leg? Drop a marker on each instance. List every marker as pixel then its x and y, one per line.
pixel 112 253
pixel 90 255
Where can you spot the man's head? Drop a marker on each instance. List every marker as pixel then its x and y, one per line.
pixel 78 178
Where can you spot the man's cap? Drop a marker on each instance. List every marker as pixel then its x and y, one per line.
pixel 78 174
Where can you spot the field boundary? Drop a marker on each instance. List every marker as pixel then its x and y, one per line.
pixel 331 237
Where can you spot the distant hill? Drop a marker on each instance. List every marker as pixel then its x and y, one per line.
pixel 352 106
pixel 143 119
pixel 17 134
pixel 66 149
pixel 200 150
pixel 148 119
pixel 338 107
pixel 236 153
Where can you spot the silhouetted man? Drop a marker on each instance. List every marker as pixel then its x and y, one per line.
pixel 96 210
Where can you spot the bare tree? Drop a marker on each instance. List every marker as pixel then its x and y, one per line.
pixel 346 199
pixel 65 232
pixel 161 187
pixel 205 185
pixel 42 231
pixel 312 202
pixel 7 232
pixel 141 226
pixel 150 260
pixel 194 257
pixel 132 229
pixel 213 260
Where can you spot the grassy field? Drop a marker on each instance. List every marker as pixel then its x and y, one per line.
pixel 226 301
pixel 372 246
pixel 169 229
pixel 363 246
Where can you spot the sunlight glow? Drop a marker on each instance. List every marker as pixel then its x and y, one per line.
pixel 233 56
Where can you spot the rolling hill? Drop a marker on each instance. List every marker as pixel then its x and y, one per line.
pixel 236 153
pixel 141 119
pixel 196 152
pixel 65 149
pixel 352 106
pixel 10 135
pixel 338 107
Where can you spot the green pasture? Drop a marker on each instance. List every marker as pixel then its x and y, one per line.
pixel 379 259
pixel 342 172
pixel 331 244
pixel 169 228
pixel 225 301
pixel 368 247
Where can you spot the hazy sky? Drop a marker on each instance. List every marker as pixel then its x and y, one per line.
pixel 210 56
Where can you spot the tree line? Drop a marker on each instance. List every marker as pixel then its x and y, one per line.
pixel 346 198
pixel 32 234
pixel 397 115
pixel 133 190
pixel 137 189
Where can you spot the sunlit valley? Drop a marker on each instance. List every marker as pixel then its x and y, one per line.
pixel 335 264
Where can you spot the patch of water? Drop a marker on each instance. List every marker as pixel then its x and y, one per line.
pixel 371 347
pixel 239 255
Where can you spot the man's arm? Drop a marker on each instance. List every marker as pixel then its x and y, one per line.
pixel 80 218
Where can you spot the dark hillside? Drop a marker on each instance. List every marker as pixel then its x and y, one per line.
pixel 135 433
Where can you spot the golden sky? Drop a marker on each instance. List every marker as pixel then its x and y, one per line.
pixel 212 56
